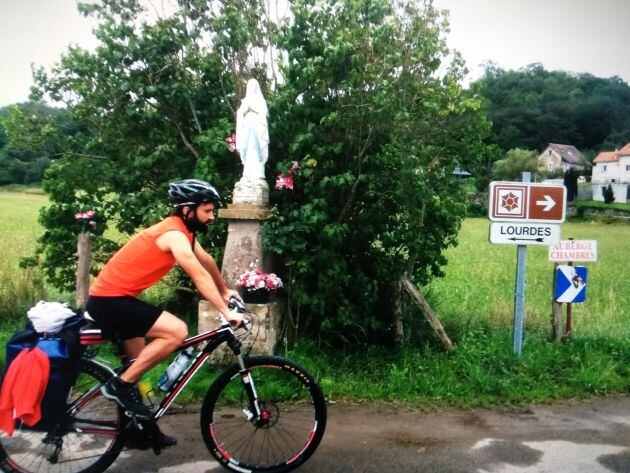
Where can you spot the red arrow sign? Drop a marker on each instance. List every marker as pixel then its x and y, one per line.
pixel 526 202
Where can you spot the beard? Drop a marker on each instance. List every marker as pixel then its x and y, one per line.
pixel 193 224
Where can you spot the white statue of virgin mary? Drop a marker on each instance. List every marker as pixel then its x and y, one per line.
pixel 252 133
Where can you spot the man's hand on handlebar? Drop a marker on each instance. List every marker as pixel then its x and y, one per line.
pixel 235 316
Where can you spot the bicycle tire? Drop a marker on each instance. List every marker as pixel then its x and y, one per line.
pixel 78 453
pixel 297 417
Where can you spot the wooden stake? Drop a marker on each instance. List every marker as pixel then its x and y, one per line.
pixel 556 311
pixel 84 249
pixel 428 312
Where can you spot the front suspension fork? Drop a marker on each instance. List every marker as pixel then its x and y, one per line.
pixel 255 411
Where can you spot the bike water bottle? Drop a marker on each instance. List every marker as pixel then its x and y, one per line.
pixel 175 369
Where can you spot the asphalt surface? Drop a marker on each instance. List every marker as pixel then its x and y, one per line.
pixel 578 437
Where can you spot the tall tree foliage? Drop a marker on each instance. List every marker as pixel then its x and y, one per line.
pixel 372 110
pixel 532 107
pixel 28 140
pixel 363 94
pixel 515 162
pixel 153 108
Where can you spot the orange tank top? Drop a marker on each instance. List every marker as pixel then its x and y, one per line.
pixel 138 264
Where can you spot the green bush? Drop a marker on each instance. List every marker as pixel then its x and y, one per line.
pixel 609 195
pixel 476 209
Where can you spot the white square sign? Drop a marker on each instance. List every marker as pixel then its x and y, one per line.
pixel 510 202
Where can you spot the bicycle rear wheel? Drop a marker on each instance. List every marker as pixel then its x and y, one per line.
pixel 88 440
pixel 292 425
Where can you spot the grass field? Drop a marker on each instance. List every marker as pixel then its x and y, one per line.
pixel 19 208
pixel 474 300
pixel 479 282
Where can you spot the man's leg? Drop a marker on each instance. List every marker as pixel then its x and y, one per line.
pixel 139 440
pixel 133 347
pixel 168 332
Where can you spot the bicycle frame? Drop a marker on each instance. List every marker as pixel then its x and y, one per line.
pixel 214 338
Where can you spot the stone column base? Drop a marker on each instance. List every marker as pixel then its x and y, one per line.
pixel 262 339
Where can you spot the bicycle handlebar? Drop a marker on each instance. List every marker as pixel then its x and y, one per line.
pixel 238 307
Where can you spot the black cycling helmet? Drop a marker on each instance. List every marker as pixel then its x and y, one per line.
pixel 191 192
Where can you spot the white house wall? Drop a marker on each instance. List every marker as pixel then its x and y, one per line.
pixel 617 174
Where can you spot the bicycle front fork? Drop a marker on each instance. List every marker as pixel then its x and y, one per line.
pixel 254 412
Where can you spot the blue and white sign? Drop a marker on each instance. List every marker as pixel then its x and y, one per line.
pixel 570 283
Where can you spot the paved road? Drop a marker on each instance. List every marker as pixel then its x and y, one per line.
pixel 581 437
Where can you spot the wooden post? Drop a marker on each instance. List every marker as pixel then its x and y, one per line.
pixel 84 249
pixel 399 329
pixel 567 332
pixel 556 311
pixel 428 313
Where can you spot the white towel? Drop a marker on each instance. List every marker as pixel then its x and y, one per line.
pixel 49 316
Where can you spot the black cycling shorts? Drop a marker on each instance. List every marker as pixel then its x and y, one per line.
pixel 125 316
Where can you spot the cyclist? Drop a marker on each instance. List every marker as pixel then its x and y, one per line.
pixel 139 264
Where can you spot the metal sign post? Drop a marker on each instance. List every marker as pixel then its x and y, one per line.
pixel 519 290
pixel 524 213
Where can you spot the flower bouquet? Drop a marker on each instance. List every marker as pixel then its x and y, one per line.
pixel 258 285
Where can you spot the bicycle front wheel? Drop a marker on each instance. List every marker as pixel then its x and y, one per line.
pixel 290 428
pixel 87 440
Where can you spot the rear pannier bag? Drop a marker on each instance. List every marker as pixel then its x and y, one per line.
pixel 63 350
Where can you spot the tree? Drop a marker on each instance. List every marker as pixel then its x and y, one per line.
pixel 516 162
pixel 570 181
pixel 609 195
pixel 152 107
pixel 27 140
pixel 377 132
pixel 532 107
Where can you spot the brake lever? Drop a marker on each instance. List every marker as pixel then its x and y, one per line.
pixel 236 303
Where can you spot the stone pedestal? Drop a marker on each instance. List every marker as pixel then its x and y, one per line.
pixel 242 250
pixel 244 243
pixel 262 339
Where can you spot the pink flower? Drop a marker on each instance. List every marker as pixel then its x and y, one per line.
pixel 256 279
pixel 295 166
pixel 283 182
pixel 84 215
pixel 280 181
pixel 231 142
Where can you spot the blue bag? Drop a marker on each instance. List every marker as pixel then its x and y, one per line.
pixel 63 350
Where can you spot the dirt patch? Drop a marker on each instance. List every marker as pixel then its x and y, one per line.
pixel 403 438
pixel 473 419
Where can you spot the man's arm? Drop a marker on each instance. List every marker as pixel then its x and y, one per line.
pixel 210 265
pixel 177 243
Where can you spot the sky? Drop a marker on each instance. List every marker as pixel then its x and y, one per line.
pixel 574 35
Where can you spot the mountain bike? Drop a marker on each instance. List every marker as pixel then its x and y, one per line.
pixel 262 414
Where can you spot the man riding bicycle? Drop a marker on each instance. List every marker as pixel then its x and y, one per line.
pixel 138 265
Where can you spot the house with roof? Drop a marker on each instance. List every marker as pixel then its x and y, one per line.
pixel 557 157
pixel 612 167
